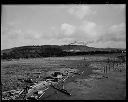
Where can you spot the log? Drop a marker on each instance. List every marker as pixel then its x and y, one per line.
pixel 61 90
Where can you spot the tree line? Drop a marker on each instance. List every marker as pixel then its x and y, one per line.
pixel 45 51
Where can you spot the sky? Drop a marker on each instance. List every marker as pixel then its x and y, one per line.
pixel 102 25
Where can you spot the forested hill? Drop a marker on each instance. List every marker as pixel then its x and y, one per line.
pixel 53 50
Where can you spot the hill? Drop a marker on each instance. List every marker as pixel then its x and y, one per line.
pixel 53 50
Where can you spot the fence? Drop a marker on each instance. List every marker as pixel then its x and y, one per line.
pixel 113 64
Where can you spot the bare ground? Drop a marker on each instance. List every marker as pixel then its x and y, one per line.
pixel 93 84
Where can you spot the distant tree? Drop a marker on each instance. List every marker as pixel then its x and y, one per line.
pixel 4 56
pixel 47 51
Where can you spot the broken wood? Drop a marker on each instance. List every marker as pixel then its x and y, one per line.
pixel 61 90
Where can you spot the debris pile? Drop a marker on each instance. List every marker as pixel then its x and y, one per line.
pixel 38 89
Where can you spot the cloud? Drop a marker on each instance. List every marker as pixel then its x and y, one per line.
pixel 122 6
pixel 30 34
pixel 118 28
pixel 114 33
pixel 80 11
pixel 109 44
pixel 97 35
pixel 13 36
pixel 119 6
pixel 67 29
pixel 118 32
pixel 113 36
pixel 86 31
pixel 89 29
pixel 10 32
pixel 13 32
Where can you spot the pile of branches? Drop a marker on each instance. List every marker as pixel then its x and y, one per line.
pixel 35 90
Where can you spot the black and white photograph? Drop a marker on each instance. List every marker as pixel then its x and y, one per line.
pixel 63 51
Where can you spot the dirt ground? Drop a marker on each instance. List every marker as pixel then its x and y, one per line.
pixel 111 88
pixel 93 84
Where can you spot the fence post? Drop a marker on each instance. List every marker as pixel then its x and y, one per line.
pixel 104 69
pixel 113 64
pixel 109 66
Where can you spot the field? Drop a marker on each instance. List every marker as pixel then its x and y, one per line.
pixel 102 79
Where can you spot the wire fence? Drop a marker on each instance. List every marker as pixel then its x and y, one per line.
pixel 115 64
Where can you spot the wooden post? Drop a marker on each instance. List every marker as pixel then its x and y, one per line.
pixel 104 69
pixel 113 64
pixel 109 66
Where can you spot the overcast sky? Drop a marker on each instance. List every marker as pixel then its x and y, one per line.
pixel 102 25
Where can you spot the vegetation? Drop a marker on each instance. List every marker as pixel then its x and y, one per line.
pixel 52 51
pixel 104 77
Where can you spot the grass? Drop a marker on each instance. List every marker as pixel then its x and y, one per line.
pixel 11 71
pixel 24 68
